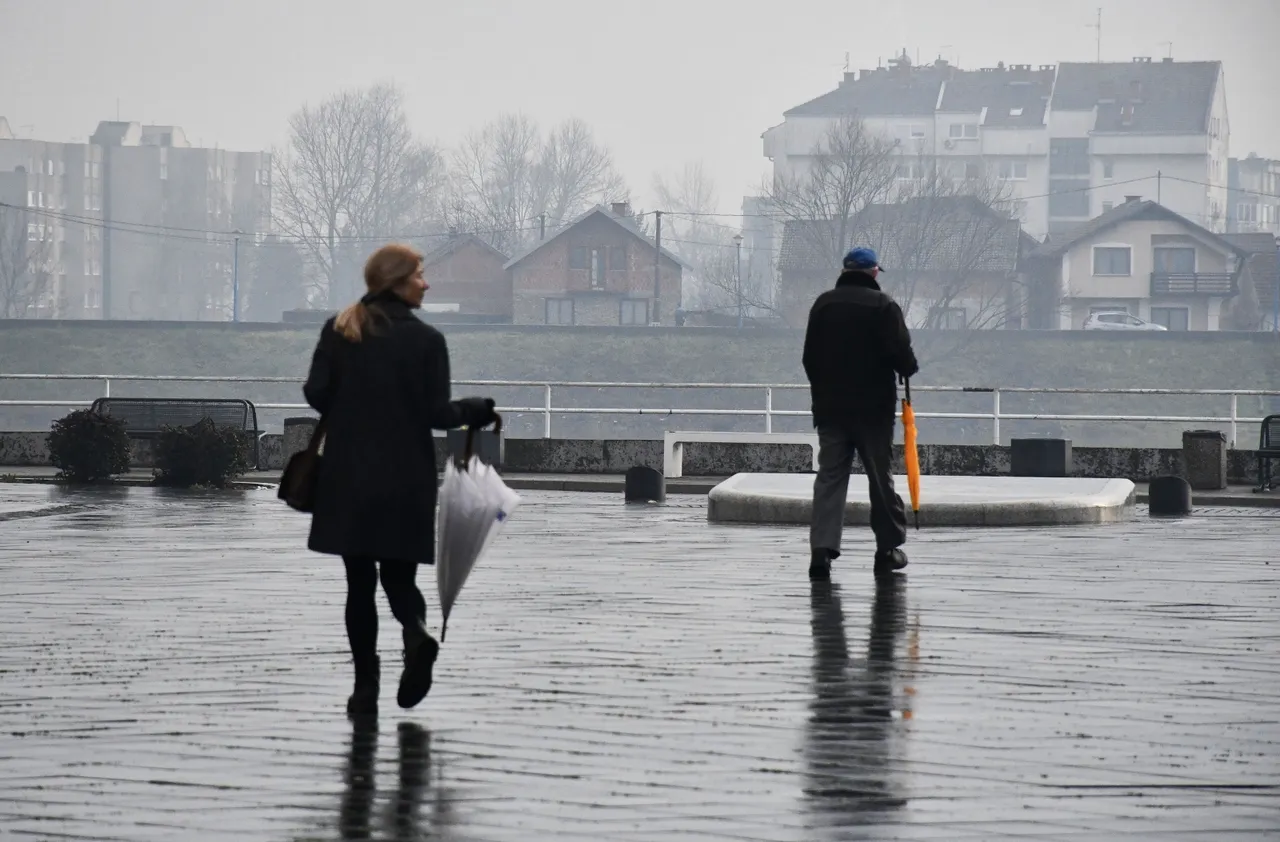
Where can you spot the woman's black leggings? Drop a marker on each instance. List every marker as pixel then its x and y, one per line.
pixel 406 600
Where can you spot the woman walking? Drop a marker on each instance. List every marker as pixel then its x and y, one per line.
pixel 380 378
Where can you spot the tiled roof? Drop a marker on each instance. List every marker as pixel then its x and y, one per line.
pixel 1166 96
pixel 1262 264
pixel 1012 98
pixel 894 231
pixel 453 243
pixel 626 224
pixel 1141 209
pixel 884 92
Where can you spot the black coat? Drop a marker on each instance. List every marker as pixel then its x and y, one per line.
pixel 382 397
pixel 856 344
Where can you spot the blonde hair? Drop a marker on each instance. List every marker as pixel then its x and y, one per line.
pixel 386 269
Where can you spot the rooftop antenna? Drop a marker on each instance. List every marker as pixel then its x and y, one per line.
pixel 1168 44
pixel 1098 27
pixel 846 62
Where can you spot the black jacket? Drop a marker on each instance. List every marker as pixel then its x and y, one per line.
pixel 382 396
pixel 855 346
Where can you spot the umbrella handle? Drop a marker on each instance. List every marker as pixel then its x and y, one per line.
pixel 906 383
pixel 471 439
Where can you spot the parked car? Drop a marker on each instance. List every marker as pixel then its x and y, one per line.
pixel 1119 320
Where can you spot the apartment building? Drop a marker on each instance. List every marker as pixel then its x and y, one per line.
pixel 1065 142
pixel 1253 195
pixel 135 224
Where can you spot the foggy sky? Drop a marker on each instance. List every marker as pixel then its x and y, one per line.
pixel 661 82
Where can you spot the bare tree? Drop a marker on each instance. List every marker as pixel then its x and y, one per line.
pixel 354 173
pixel 26 253
pixel 507 179
pixel 953 248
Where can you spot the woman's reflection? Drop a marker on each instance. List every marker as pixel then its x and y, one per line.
pixel 402 819
pixel 852 721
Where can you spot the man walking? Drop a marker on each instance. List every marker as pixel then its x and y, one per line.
pixel 855 347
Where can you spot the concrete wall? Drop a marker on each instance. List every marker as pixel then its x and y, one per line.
pixel 582 456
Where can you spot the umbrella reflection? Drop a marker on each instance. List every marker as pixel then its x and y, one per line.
pixel 854 719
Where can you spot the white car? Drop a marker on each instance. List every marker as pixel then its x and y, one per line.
pixel 1118 320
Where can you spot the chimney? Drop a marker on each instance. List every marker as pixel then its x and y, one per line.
pixel 622 209
pixel 1128 199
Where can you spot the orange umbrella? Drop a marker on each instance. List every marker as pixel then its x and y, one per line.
pixel 909 451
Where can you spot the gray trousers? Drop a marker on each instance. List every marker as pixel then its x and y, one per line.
pixel 872 440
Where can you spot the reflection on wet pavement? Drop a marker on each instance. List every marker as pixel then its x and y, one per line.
pixel 173 667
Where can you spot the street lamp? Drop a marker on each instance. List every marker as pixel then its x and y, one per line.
pixel 235 277
pixel 737 243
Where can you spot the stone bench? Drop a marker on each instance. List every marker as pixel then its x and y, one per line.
pixel 673 445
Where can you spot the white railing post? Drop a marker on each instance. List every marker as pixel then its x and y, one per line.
pixel 1234 416
pixel 546 413
pixel 995 416
pixel 106 388
pixel 768 409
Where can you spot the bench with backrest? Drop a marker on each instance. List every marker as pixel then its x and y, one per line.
pixel 1268 450
pixel 144 418
pixel 673 445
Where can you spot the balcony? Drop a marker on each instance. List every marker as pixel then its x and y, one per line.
pixel 1192 283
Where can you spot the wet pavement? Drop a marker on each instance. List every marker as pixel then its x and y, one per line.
pixel 174 667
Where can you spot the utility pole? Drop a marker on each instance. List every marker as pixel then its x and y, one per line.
pixel 235 277
pixel 1159 185
pixel 542 226
pixel 1098 27
pixel 657 266
pixel 737 276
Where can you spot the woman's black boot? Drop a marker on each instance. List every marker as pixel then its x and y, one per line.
pixel 364 698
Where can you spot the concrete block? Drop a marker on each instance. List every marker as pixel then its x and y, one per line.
pixel 1204 459
pixel 1040 457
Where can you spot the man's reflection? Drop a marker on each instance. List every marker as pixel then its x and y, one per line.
pixel 852 721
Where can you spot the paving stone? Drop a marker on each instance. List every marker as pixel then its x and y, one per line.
pixel 174 666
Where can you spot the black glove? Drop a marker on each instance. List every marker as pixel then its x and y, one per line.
pixel 477 412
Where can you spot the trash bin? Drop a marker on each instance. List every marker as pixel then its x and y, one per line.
pixel 1204 459
pixel 1040 457
pixel 297 435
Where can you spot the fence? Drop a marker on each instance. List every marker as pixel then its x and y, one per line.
pixel 765 393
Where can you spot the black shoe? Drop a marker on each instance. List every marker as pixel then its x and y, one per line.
pixel 364 698
pixel 820 566
pixel 888 561
pixel 415 682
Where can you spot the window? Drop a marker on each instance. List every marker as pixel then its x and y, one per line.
pixel 1013 170
pixel 618 257
pixel 33 232
pixel 1108 170
pixel 559 311
pixel 164 172
pixel 31 198
pixel 88 173
pixel 1069 198
pixel 88 202
pixel 633 311
pixel 579 258
pixel 952 318
pixel 1173 318
pixel 1015 112
pixel 1176 261
pixel 917 132
pixel 48 167
pixel 1246 212
pixel 910 172
pixel 1112 261
pixel 94 170
pixel 962 131
pixel 598 258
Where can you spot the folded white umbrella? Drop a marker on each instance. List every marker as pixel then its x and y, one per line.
pixel 474 505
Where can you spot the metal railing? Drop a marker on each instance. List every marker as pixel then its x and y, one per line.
pixel 548 408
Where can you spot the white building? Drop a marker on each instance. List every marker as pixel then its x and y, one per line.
pixel 1069 141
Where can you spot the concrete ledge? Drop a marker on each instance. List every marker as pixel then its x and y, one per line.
pixel 948 501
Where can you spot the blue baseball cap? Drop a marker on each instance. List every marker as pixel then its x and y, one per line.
pixel 862 258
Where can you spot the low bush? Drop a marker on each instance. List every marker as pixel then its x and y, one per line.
pixel 87 447
pixel 203 454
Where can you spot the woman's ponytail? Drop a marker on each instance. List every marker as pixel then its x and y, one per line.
pixel 352 322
